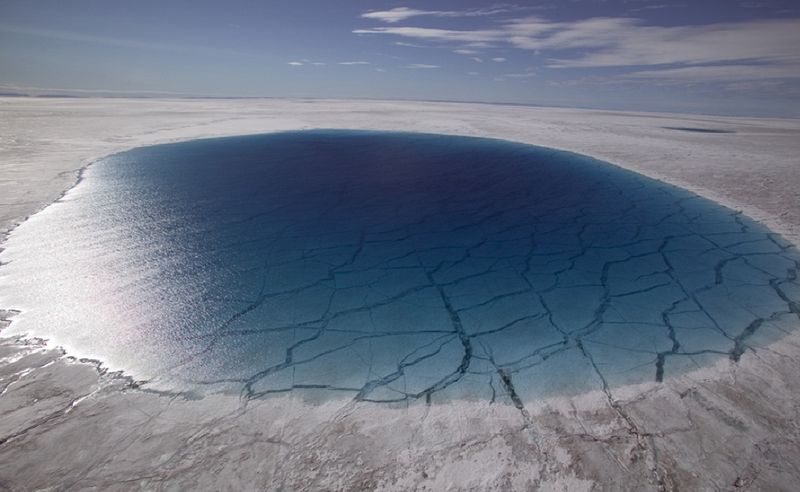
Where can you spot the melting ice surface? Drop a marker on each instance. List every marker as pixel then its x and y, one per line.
pixel 392 267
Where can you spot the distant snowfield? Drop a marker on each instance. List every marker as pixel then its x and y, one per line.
pixel 744 163
pixel 725 426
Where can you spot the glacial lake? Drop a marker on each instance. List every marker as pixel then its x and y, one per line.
pixel 394 268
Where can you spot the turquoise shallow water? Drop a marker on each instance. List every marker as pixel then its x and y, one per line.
pixel 392 267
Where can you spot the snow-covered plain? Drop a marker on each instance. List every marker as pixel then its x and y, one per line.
pixel 722 427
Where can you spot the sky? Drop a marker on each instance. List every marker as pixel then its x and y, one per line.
pixel 730 57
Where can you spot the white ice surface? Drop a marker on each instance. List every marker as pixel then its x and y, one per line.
pixel 720 428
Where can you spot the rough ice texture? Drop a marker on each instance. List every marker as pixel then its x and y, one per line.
pixel 725 426
pixel 392 267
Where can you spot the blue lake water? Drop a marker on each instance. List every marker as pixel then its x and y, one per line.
pixel 392 267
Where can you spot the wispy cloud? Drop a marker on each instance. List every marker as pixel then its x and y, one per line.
pixel 498 59
pixel 300 63
pixel 627 42
pixel 354 63
pixel 719 73
pixel 658 6
pixel 403 13
pixel 524 75
pixel 623 41
pixel 421 65
pixel 615 42
pixel 442 35
pixel 409 45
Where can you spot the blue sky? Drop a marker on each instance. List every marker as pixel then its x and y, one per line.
pixel 707 56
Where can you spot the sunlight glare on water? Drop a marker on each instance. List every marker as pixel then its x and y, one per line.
pixel 392 267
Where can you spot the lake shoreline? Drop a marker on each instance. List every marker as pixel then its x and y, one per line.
pixel 636 432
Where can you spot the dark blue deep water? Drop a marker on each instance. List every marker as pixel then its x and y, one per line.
pixel 393 267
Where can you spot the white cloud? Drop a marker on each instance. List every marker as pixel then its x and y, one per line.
pixel 421 65
pixel 476 59
pixel 656 7
pixel 624 42
pixel 354 63
pixel 319 64
pixel 618 43
pixel 409 45
pixel 478 44
pixel 394 15
pixel 403 13
pixel 472 73
pixel 296 63
pixel 627 42
pixel 719 73
pixel 498 59
pixel 524 75
pixel 467 52
pixel 430 34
